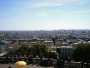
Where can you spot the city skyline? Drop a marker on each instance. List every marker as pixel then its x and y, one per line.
pixel 44 14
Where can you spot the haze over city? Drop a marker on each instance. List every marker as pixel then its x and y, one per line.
pixel 44 14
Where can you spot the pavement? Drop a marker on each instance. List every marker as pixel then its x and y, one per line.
pixel 29 66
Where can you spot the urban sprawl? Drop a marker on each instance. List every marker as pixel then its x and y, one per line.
pixel 56 48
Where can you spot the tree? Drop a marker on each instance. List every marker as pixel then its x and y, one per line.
pixel 52 55
pixel 40 50
pixel 82 54
pixel 24 50
pixel 54 40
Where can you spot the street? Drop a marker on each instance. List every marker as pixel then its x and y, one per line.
pixel 29 66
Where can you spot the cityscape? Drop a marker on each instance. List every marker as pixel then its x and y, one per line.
pixel 44 33
pixel 52 49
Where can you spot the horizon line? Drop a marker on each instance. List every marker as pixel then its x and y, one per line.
pixel 45 30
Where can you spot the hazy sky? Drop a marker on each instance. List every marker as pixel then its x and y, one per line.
pixel 44 14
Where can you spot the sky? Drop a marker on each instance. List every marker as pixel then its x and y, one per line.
pixel 44 14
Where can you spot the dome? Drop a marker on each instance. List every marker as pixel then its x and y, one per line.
pixel 21 64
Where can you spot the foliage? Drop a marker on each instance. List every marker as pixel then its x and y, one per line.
pixel 24 51
pixel 39 50
pixel 82 53
pixel 52 55
pixel 54 40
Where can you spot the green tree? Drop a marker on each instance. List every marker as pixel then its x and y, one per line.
pixel 40 50
pixel 24 50
pixel 54 39
pixel 82 54
pixel 52 55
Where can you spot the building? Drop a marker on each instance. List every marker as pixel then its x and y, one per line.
pixel 65 52
pixel 3 48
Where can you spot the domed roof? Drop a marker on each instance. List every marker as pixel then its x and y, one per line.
pixel 21 63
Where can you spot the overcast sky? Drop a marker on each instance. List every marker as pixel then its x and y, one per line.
pixel 44 14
